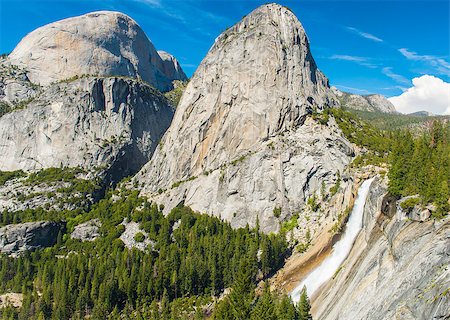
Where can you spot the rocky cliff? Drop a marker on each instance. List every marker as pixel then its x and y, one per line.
pixel 100 43
pixel 18 238
pixel 107 123
pixel 398 268
pixel 371 102
pixel 241 143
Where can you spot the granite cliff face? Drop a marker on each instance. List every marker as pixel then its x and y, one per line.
pixel 18 238
pixel 398 268
pixel 241 143
pixel 109 123
pixel 103 43
pixel 371 102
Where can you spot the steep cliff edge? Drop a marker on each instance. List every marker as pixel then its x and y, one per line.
pixel 398 268
pixel 109 123
pixel 241 144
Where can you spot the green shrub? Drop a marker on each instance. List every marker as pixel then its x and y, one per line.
pixel 139 237
pixel 289 225
pixel 409 203
pixel 313 204
pixel 277 212
pixel 9 175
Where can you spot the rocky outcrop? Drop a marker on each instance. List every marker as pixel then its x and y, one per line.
pixel 113 124
pixel 87 231
pixel 15 87
pixel 397 269
pixel 171 68
pixel 103 43
pixel 371 102
pixel 128 236
pixel 18 238
pixel 241 143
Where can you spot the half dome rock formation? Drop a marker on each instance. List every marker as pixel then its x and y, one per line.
pixel 113 124
pixel 103 43
pixel 225 152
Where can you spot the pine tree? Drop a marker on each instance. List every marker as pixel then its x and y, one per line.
pixel 265 307
pixel 286 309
pixel 242 292
pixel 304 307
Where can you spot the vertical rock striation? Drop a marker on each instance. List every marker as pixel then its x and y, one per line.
pixel 225 153
pixel 397 269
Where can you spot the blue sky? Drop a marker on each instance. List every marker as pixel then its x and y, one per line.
pixel 362 46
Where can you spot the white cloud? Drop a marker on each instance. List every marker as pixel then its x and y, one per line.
pixel 439 64
pixel 427 93
pixel 365 34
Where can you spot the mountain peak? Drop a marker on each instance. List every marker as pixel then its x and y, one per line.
pixel 258 81
pixel 103 43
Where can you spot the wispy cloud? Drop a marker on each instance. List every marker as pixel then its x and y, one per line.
pixel 352 89
pixel 366 62
pixel 365 34
pixel 153 3
pixel 394 76
pixel 439 64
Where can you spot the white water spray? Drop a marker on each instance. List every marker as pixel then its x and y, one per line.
pixel 341 249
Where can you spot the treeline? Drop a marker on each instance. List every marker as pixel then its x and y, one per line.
pixel 421 165
pixel 191 256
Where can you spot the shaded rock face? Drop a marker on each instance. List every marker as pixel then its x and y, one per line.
pixel 17 238
pixel 372 102
pixel 101 43
pixel 397 269
pixel 111 123
pixel 257 82
pixel 171 67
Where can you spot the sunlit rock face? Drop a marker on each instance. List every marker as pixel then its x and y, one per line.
pixel 112 124
pixel 398 268
pixel 241 133
pixel 103 43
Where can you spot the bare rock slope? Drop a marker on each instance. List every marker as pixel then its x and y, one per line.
pixel 242 144
pixel 398 268
pixel 103 43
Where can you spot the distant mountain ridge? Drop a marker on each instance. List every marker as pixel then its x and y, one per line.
pixel 371 102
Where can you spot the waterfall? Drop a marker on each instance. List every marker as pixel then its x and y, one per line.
pixel 340 250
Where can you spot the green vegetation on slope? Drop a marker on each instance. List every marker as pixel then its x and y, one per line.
pixel 198 259
pixel 69 189
pixel 392 121
pixel 419 163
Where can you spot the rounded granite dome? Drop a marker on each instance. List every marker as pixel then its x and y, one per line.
pixel 103 43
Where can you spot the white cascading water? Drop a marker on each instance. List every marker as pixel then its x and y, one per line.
pixel 341 249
